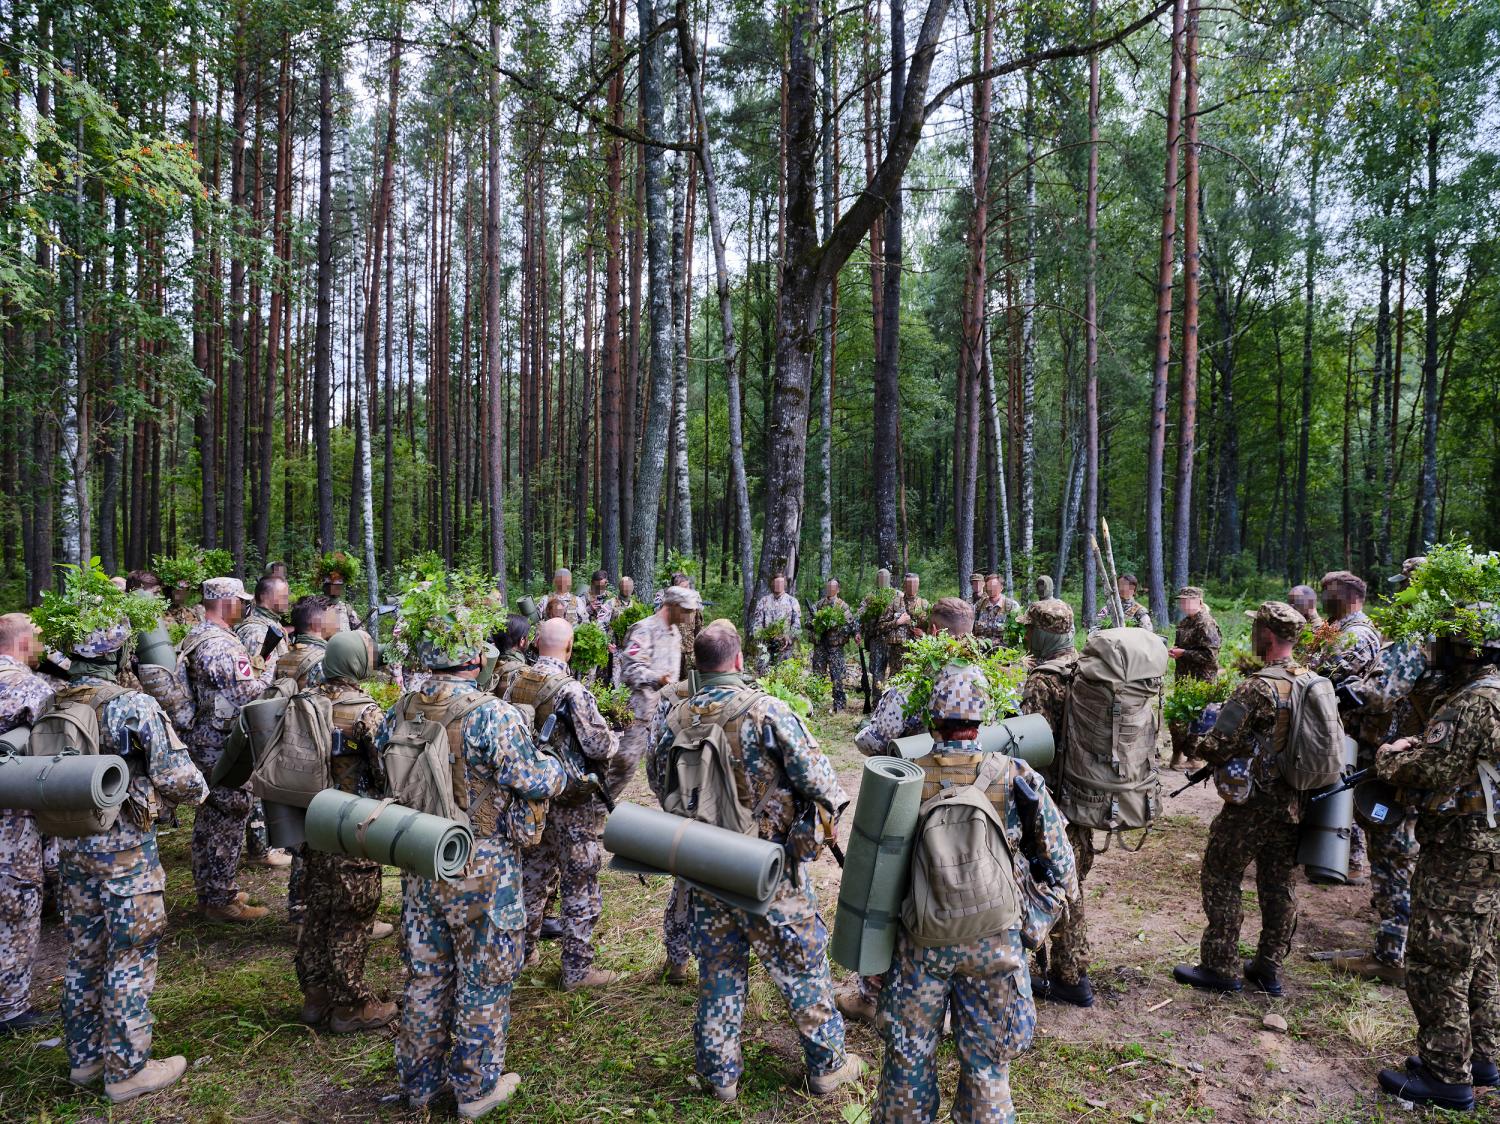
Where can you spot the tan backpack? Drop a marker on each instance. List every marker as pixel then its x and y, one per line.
pixel 295 764
pixel 963 878
pixel 1309 749
pixel 424 763
pixel 1108 778
pixel 71 726
pixel 705 775
pixel 535 694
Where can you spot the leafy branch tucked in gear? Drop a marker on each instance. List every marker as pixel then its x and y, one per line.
pixel 876 606
pixel 1455 594
pixel 638 611
pixel 827 621
pixel 455 614
pixel 184 568
pixel 793 683
pixel 89 601
pixel 340 562
pixel 926 656
pixel 1187 699
pixel 614 704
pixel 590 648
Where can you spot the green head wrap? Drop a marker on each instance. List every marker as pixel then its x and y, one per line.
pixel 347 657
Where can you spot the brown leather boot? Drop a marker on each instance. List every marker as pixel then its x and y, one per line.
pixel 371 1015
pixel 316 1003
pixel 154 1075
pixel 235 911
pixel 596 977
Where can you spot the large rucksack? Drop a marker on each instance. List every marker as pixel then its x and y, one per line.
pixel 295 764
pixel 71 726
pixel 1309 749
pixel 424 763
pixel 963 879
pixel 705 776
pixel 1108 773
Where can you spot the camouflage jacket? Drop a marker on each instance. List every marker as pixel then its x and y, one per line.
pixel 345 616
pixel 252 634
pixel 991 617
pixel 1198 637
pixel 601 610
pixel 356 767
pixel 24 695
pixel 918 609
pixel 218 671
pixel 1136 616
pixel 1400 692
pixel 189 615
pixel 1439 771
pixel 1355 651
pixel 888 723
pixel 125 855
pixel 1045 692
pixel 575 610
pixel 782 783
pixel 652 650
pixel 1243 746
pixel 771 609
pixel 595 739
pixel 834 637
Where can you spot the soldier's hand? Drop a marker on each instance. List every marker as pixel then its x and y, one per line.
pixel 1176 653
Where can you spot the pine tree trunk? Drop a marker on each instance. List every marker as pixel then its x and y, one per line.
pixel 1187 405
pixel 493 341
pixel 323 339
pixel 234 412
pixel 1299 553
pixel 887 480
pixel 1028 343
pixel 612 388
pixel 1427 491
pixel 1091 338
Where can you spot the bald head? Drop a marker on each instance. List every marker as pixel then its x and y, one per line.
pixel 554 637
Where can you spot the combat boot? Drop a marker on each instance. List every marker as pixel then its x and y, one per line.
pixel 152 1077
pixel 380 930
pixel 235 911
pixel 1424 1089
pixel 1206 979
pixel 552 929
pixel 315 1006
pixel 473 1110
pixel 726 1093
pixel 1080 994
pixel 677 974
pixel 1485 1072
pixel 595 977
pixel 821 1084
pixel 1263 977
pixel 275 858
pixel 372 1014
pixel 27 1021
pixel 85 1075
pixel 1369 967
pixel 855 1007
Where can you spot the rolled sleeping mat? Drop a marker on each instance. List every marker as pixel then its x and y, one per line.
pixel 286 826
pixel 1027 736
pixel 877 865
pixel 153 647
pixel 73 795
pixel 248 736
pixel 741 869
pixel 15 741
pixel 428 846
pixel 1324 836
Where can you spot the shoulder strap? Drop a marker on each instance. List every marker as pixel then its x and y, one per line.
pixel 989 771
pixel 190 644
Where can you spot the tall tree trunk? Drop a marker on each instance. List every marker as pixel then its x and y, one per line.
pixel 323 339
pixel 992 419
pixel 612 388
pixel 73 506
pixel 1427 492
pixel 1028 343
pixel 234 412
pixel 680 526
pixel 1187 405
pixel 1299 552
pixel 828 329
pixel 1091 337
pixel 976 290
pixel 888 356
pixel 494 343
pixel 1156 453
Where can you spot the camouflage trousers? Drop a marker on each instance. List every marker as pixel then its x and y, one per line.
pixel 1452 975
pixel 1393 858
pixel 20 929
pixel 257 842
pixel 461 967
pixel 677 925
pixel 880 663
pixel 1239 835
pixel 113 925
pixel 620 770
pixel 569 854
pixel 1070 936
pixel 768 657
pixel 831 662
pixel 342 895
pixel 791 943
pixel 219 841
pixel 986 986
pixel 296 887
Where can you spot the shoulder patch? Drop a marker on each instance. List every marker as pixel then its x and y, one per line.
pixel 243 668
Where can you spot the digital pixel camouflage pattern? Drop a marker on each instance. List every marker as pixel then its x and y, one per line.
pixel 24 696
pixel 828 655
pixel 569 853
pixel 769 610
pixel 1136 616
pixel 464 941
pixel 1452 975
pixel 252 634
pixel 340 895
pixel 112 897
pixel 653 650
pixel 575 610
pixel 888 722
pixel 790 940
pixel 1258 823
pixel 218 671
pixel 991 617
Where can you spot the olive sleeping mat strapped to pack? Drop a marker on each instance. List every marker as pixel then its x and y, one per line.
pixel 740 869
pixel 66 783
pixel 429 846
pixel 877 866
pixel 1027 736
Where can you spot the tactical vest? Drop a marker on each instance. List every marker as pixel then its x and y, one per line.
pixel 298 661
pixel 1476 795
pixel 539 693
pixel 509 666
pixel 347 709
pixel 954 770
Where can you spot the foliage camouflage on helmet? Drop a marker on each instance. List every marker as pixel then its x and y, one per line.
pixel 447 620
pixel 338 562
pixel 184 569
pixel 927 657
pixel 217 563
pixel 1451 594
pixel 92 613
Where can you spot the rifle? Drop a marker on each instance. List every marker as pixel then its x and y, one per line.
pixel 377 611
pixel 571 760
pixel 274 637
pixel 1197 776
pixel 864 676
pixel 1355 778
pixel 1028 807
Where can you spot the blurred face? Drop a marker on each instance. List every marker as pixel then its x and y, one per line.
pixel 29 648
pixel 1126 589
pixel 994 588
pixel 976 582
pixel 278 599
pixel 329 624
pixel 627 587
pixel 778 586
pixel 1303 603
pixel 831 590
pixel 562 583
pixel 909 586
pixel 600 585
pixel 180 595
pixel 1189 605
pixel 678 614
pixel 334 586
pixel 278 570
pixel 1260 641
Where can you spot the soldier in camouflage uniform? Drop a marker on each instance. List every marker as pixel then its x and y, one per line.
pixel 573 608
pixel 112 885
pixel 1136 614
pixel 312 625
pixel 1051 659
pixel 790 792
pixel 879 633
pixel 984 979
pixel 976 590
pixel 464 941
pixel 828 649
pixel 1196 651
pixel 1258 822
pixel 569 853
pixel 688 627
pixel 24 696
pixel 263 636
pixel 343 617
pixel 652 660
pixel 512 644
pixel 914 608
pixel 341 894
pixel 992 613
pixel 218 670
pixel 1453 957
pixel 776 608
pixel 182 613
pixel 601 605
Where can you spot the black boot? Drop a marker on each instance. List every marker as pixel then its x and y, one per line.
pixel 1206 979
pixel 551 929
pixel 1423 1089
pixel 27 1021
pixel 1263 977
pixel 1080 994
pixel 1485 1071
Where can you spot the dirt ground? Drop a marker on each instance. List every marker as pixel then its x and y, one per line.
pixel 1149 1050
